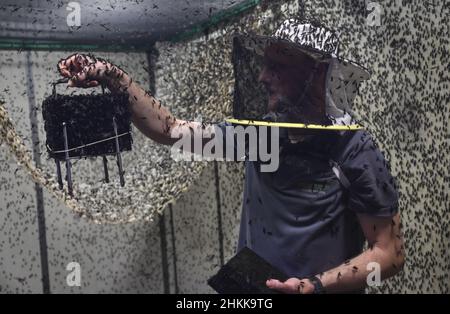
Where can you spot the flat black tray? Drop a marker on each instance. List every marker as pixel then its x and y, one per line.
pixel 245 273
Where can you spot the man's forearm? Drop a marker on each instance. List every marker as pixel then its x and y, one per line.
pixel 147 113
pixel 352 274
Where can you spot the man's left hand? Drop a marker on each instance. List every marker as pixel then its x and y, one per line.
pixel 291 286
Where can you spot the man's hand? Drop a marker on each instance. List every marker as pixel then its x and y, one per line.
pixel 291 286
pixel 88 71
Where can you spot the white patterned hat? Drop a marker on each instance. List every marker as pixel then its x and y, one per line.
pixel 322 44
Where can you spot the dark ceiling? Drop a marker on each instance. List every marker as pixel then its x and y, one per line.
pixel 105 22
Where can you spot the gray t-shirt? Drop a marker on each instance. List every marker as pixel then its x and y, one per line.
pixel 300 218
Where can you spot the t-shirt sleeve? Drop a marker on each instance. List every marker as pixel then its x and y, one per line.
pixel 373 189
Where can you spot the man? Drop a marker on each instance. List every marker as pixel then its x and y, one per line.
pixel 310 217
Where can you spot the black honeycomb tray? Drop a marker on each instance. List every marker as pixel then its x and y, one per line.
pixel 88 118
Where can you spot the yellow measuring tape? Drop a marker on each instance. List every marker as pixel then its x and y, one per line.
pixel 352 127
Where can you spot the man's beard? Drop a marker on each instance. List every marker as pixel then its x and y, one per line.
pixel 301 112
pixel 297 112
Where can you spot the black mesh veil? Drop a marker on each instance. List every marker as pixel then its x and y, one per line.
pixel 343 77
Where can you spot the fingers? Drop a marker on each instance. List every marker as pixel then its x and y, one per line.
pixel 69 67
pixel 62 66
pixel 84 78
pixel 289 286
pixel 73 64
pixel 92 84
pixel 89 71
pixel 87 84
pixel 82 81
pixel 274 284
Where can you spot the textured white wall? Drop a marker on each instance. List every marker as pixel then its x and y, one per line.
pixel 405 104
pixel 113 258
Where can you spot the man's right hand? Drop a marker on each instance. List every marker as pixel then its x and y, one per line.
pixel 88 71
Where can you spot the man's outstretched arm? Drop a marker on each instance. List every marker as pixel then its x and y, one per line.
pixel 148 115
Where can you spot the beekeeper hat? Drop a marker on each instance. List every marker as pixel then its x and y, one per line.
pixel 310 38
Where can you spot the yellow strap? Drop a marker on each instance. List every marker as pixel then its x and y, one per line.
pixel 297 125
